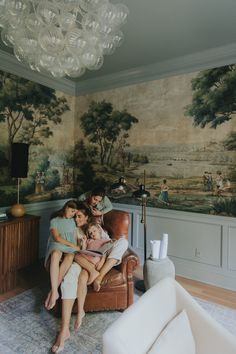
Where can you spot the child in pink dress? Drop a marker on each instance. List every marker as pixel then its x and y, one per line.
pixel 97 238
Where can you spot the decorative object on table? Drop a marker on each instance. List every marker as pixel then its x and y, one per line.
pixel 155 249
pixel 164 246
pixel 19 169
pixel 63 37
pixel 159 248
pixel 158 265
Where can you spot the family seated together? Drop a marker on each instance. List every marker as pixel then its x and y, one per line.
pixel 74 228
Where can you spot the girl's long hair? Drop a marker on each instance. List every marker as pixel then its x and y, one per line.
pixel 61 212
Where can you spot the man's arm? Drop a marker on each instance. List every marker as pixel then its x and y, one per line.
pixel 107 205
pixel 82 197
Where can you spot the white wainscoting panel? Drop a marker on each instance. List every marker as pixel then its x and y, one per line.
pixel 232 249
pixel 202 247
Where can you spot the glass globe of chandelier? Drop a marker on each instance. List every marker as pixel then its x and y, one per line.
pixel 63 37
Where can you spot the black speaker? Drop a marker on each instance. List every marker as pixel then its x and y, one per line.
pixel 19 160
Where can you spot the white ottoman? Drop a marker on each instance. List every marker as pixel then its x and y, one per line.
pixel 155 270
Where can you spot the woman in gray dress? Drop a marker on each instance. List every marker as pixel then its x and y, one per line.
pixel 62 245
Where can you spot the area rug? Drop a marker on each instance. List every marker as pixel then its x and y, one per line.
pixel 27 328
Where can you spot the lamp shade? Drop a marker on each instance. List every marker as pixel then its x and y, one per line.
pixel 19 160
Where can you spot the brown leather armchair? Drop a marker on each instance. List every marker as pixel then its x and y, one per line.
pixel 117 288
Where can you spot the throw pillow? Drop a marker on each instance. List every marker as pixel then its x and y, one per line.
pixel 176 337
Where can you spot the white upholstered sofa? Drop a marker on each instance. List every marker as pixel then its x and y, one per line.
pixel 147 326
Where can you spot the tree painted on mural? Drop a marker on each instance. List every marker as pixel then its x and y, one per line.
pixel 107 128
pixel 213 104
pixel 214 97
pixel 29 109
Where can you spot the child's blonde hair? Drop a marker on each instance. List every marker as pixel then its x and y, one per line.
pixel 97 227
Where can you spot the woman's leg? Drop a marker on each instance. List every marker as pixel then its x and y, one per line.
pixel 81 295
pixel 65 265
pixel 54 274
pixel 69 293
pixel 64 334
pixel 87 265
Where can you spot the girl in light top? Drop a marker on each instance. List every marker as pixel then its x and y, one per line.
pixel 61 247
pixel 97 238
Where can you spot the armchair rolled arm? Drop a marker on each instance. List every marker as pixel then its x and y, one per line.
pixel 130 261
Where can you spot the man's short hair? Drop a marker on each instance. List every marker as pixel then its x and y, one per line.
pixel 98 191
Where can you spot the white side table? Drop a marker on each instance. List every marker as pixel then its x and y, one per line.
pixel 156 269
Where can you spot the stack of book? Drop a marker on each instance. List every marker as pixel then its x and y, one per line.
pixel 3 217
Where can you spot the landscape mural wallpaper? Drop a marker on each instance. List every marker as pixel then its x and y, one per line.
pixel 181 130
pixel 183 136
pixel 37 115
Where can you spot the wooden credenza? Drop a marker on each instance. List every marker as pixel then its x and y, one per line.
pixel 19 244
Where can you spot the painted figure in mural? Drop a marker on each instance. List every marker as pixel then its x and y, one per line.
pixel 42 181
pixel 97 237
pixel 97 201
pixel 164 194
pixel 227 186
pixel 62 242
pixel 74 284
pixel 66 175
pixel 210 182
pixel 39 182
pixel 219 183
pixel 205 181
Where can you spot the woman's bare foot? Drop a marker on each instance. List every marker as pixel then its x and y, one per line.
pixel 79 320
pixel 97 284
pixel 52 299
pixel 92 276
pixel 60 341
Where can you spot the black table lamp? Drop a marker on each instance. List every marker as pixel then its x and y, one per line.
pixel 19 169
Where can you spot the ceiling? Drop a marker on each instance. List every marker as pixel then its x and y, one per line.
pixel 159 32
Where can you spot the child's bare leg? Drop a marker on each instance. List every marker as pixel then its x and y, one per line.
pixel 85 264
pixel 100 263
pixel 65 265
pixel 54 274
pixel 81 295
pixel 110 263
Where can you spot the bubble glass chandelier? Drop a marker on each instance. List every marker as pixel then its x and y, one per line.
pixel 63 37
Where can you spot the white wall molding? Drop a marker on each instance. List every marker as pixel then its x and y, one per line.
pixel 10 64
pixel 210 58
pixel 207 59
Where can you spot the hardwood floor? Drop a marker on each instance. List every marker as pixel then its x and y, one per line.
pixel 203 291
pixel 27 279
pixel 36 275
